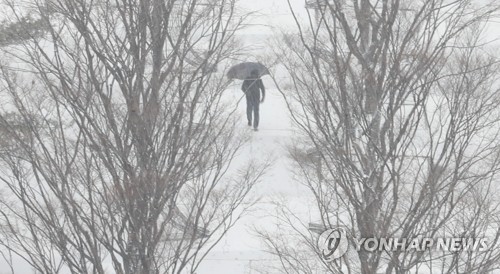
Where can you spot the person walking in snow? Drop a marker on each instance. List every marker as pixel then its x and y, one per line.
pixel 252 88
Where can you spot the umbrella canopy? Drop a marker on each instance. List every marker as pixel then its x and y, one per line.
pixel 243 71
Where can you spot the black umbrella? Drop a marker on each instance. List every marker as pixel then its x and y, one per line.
pixel 243 71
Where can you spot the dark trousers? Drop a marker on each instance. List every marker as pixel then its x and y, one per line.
pixel 253 107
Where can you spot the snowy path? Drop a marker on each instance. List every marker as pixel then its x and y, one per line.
pixel 240 251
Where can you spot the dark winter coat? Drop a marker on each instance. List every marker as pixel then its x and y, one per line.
pixel 252 88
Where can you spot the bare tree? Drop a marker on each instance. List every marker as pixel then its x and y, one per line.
pixel 398 105
pixel 118 143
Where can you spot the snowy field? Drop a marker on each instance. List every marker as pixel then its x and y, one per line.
pixel 240 251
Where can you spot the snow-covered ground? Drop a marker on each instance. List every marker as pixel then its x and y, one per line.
pixel 241 251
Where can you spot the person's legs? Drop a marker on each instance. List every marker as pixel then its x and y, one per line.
pixel 249 110
pixel 256 113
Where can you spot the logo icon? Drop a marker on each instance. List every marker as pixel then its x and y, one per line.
pixel 333 244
